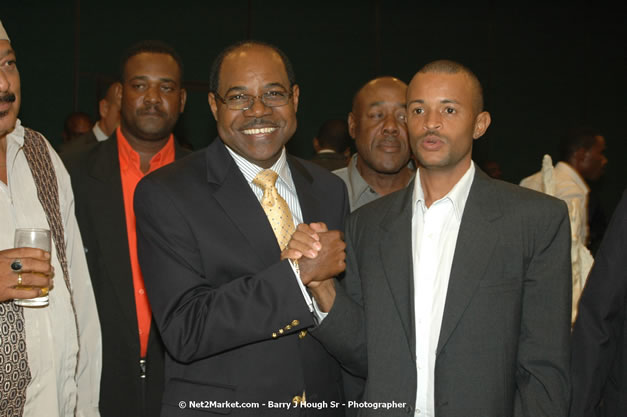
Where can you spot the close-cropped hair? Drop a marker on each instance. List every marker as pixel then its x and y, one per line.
pixel 576 138
pixel 150 46
pixel 214 75
pixel 446 66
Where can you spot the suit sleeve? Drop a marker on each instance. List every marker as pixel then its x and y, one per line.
pixel 199 308
pixel 595 339
pixel 542 374
pixel 343 332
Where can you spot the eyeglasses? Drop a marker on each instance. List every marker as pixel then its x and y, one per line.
pixel 272 98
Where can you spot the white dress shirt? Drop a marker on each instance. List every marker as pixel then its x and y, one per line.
pixel 51 341
pixel 434 237
pixel 98 133
pixel 285 187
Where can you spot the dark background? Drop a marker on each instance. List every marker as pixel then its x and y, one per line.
pixel 544 68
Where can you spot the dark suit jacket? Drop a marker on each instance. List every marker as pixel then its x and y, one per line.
pixel 95 173
pixel 599 360
pixel 330 160
pixel 79 143
pixel 230 312
pixel 503 348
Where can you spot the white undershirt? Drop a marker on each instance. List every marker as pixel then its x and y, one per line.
pixel 434 236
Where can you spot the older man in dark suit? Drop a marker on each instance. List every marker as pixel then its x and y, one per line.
pixel 104 177
pixel 599 359
pixel 234 317
pixel 456 300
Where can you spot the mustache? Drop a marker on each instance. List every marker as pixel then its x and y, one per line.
pixel 432 133
pixel 258 122
pixel 7 98
pixel 151 109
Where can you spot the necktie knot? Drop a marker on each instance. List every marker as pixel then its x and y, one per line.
pixel 266 179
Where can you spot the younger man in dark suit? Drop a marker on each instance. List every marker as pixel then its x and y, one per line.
pixel 104 177
pixel 456 300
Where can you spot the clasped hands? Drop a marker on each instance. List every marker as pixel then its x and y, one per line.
pixel 36 273
pixel 321 256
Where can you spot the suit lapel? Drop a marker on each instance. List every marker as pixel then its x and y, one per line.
pixel 476 241
pixel 309 204
pixel 396 257
pixel 107 202
pixel 240 203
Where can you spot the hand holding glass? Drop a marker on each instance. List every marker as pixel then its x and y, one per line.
pixel 33 238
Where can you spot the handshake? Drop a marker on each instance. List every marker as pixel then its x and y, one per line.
pixel 321 256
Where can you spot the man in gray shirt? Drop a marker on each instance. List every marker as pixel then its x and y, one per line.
pixel 377 123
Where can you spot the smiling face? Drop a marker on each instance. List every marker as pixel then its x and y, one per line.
pixel 259 132
pixel 151 96
pixel 9 89
pixel 377 123
pixel 443 120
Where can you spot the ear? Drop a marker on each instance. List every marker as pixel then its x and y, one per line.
pixel 577 157
pixel 295 96
pixel 316 145
pixel 352 125
pixel 183 99
pixel 103 108
pixel 213 105
pixel 482 122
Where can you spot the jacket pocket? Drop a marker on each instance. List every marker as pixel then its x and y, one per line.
pixel 199 396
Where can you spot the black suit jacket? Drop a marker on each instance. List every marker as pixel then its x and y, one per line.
pixel 503 348
pixel 95 173
pixel 231 314
pixel 599 361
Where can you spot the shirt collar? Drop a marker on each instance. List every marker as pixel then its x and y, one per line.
pixel 573 174
pixel 358 184
pixel 17 134
pixel 250 170
pixel 98 133
pixel 458 194
pixel 130 158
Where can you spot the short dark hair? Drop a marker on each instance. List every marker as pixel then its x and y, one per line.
pixel 576 138
pixel 447 66
pixel 214 75
pixel 150 46
pixel 333 134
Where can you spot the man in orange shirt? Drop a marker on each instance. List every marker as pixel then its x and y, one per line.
pixel 104 177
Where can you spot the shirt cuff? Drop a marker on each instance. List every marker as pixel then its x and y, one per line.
pixel 303 289
pixel 318 314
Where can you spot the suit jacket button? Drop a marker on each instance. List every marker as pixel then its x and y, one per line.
pixel 274 335
pixel 281 331
pixel 288 327
pixel 295 322
pixel 297 399
pixel 302 334
pixel 409 409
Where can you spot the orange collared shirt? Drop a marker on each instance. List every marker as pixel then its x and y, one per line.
pixel 131 173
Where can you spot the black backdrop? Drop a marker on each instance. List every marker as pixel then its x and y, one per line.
pixel 544 67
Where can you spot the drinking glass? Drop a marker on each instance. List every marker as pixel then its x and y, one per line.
pixel 32 238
